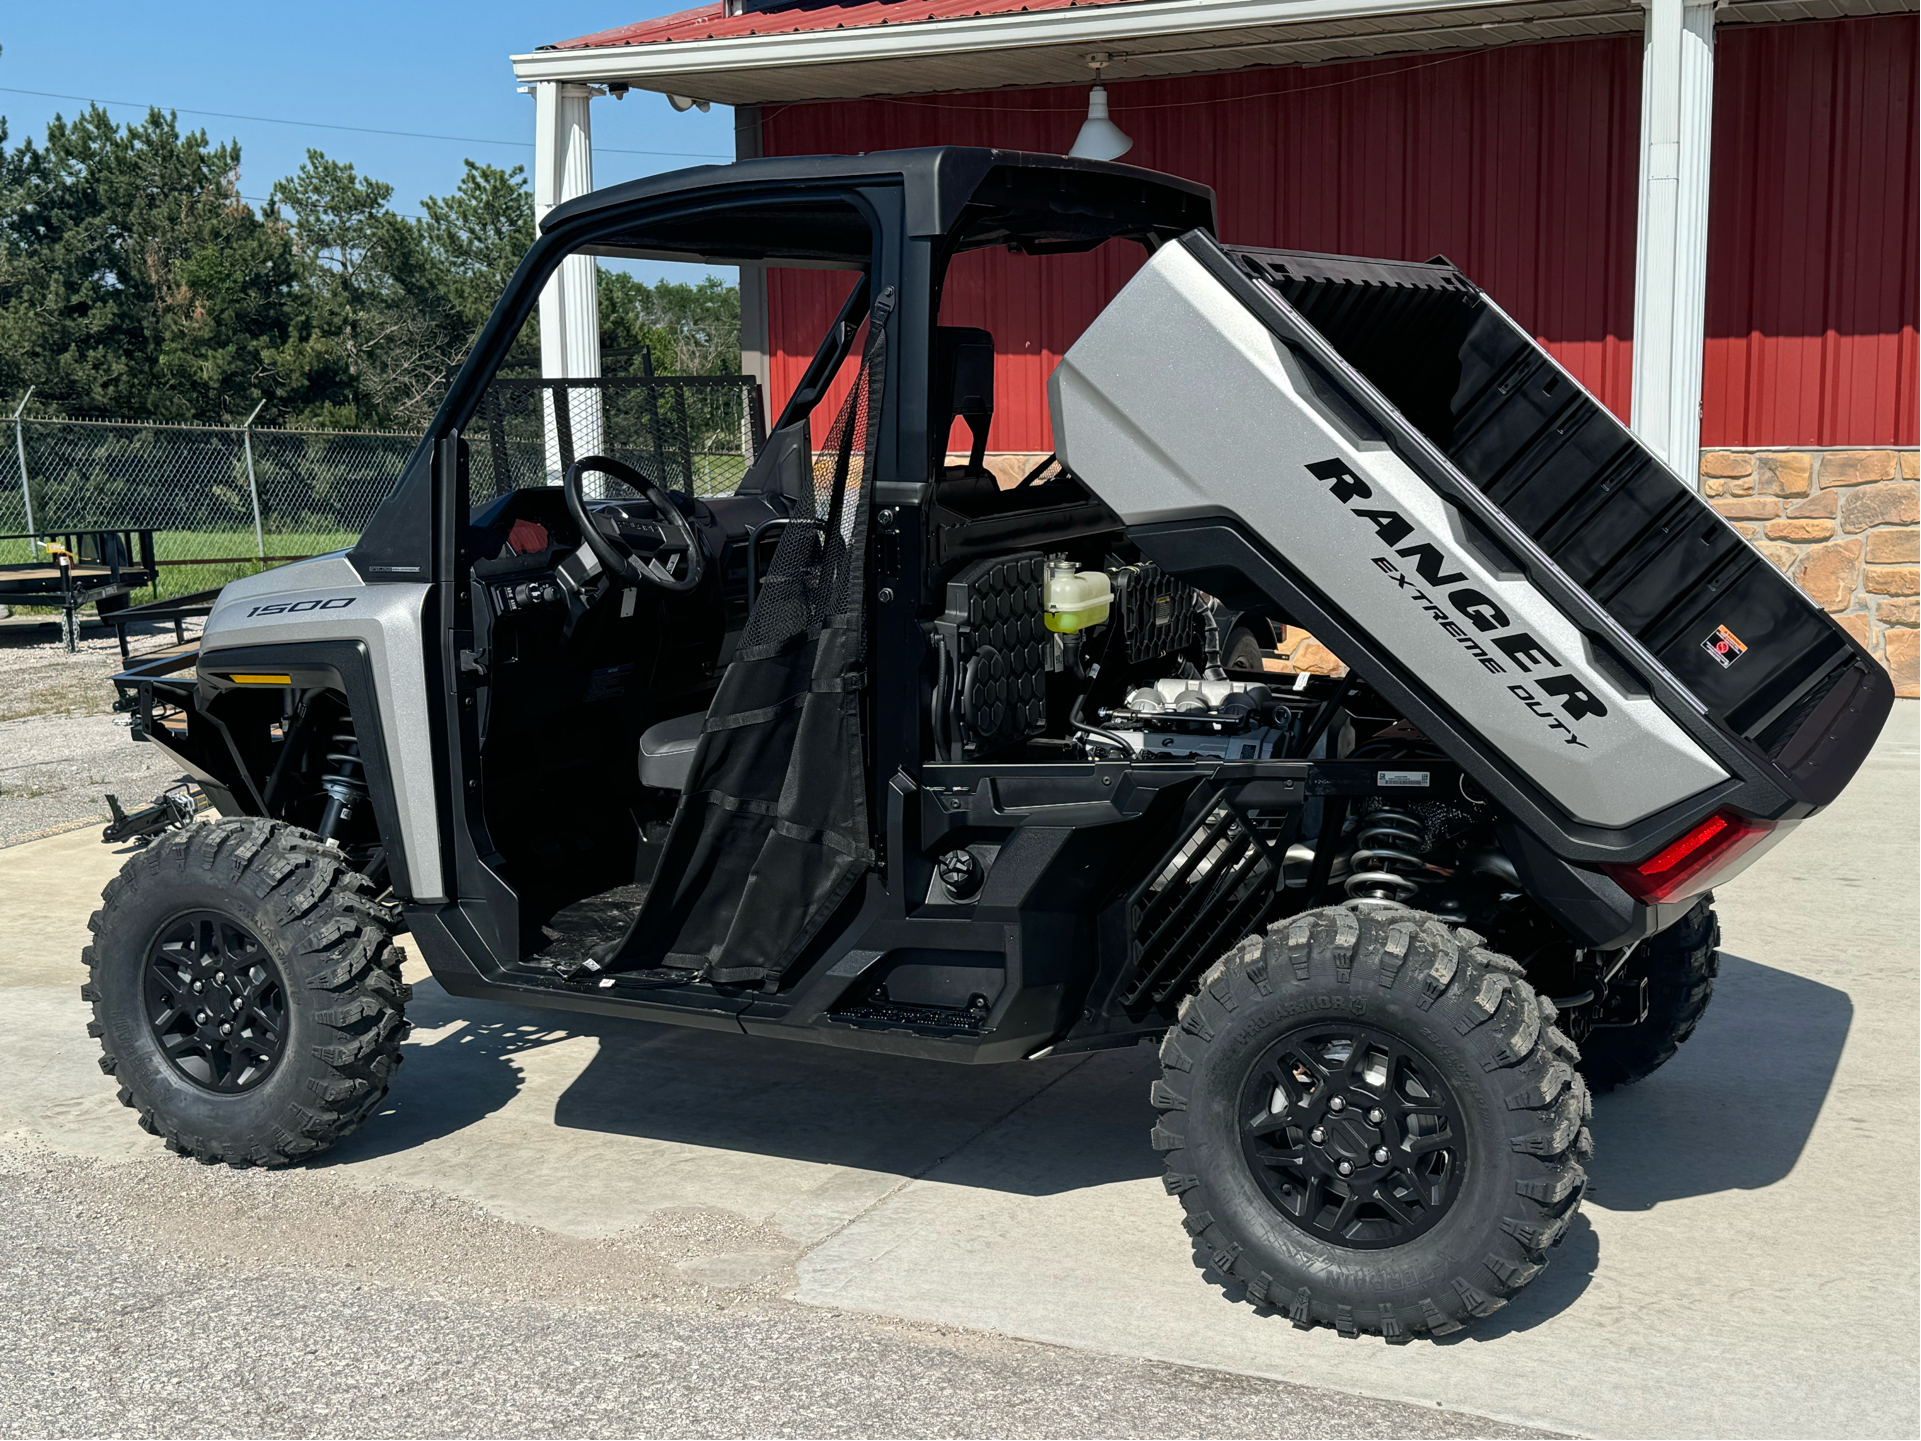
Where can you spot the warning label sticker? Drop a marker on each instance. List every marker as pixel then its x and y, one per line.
pixel 1725 646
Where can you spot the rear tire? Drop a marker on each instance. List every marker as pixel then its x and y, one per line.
pixel 246 992
pixel 1242 650
pixel 1479 1117
pixel 1679 965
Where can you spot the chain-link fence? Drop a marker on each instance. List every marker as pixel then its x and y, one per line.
pixel 224 501
pixel 691 433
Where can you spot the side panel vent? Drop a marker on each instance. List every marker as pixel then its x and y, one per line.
pixel 1218 883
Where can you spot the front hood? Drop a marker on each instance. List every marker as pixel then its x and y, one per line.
pixel 319 572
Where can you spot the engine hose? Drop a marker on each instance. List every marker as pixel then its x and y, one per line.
pixel 1074 722
pixel 943 703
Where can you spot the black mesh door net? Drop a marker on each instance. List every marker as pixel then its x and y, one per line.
pixel 772 830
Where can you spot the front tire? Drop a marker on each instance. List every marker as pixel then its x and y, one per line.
pixel 1383 1042
pixel 246 992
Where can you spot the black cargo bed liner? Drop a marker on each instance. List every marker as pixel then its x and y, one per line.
pixel 1618 523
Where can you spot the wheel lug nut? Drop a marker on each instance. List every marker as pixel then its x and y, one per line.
pixel 199 986
pixel 1337 1104
pixel 226 1030
pixel 1380 1155
pixel 200 1018
pixel 1346 1168
pixel 1317 1135
pixel 1374 1117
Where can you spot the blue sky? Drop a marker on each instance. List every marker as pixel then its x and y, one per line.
pixel 425 66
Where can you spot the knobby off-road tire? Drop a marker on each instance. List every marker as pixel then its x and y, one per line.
pixel 1241 648
pixel 257 926
pixel 1446 1019
pixel 1680 965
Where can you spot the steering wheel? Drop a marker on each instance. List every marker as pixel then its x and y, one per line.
pixel 616 558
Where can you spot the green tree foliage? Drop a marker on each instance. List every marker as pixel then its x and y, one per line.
pixel 133 278
pixel 685 329
pixel 476 236
pixel 136 281
pixel 393 303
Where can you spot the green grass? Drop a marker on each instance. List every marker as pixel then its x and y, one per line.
pixel 234 548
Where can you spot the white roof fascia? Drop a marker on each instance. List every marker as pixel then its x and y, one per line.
pixel 1023 30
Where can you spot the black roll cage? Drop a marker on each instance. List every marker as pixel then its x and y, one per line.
pixel 922 208
pixel 918 209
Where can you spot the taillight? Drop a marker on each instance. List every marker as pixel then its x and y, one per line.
pixel 1690 864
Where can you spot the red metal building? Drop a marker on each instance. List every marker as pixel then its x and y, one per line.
pixel 1517 164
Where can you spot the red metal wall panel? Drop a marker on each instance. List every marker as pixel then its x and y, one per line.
pixel 1813 239
pixel 1519 164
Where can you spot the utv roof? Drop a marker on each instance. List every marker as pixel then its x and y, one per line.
pixel 759 209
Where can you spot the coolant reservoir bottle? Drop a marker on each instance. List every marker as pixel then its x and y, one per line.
pixel 1076 599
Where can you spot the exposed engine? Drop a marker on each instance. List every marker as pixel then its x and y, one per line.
pixel 1177 717
pixel 1120 661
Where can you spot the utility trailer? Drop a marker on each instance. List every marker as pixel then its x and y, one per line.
pixel 877 751
pixel 101 568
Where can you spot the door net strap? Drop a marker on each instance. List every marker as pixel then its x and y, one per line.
pixel 772 831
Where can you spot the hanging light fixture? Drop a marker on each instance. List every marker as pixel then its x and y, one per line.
pixel 1100 138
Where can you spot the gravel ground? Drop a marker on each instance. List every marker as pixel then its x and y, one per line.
pixel 61 747
pixel 164 1299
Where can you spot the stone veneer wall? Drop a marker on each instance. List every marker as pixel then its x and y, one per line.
pixel 1843 524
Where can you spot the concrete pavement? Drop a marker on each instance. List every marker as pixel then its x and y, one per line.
pixel 1746 1266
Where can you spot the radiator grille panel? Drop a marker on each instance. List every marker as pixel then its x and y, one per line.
pixel 1215 887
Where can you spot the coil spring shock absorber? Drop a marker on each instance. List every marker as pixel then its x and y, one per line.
pixel 344 780
pixel 1387 856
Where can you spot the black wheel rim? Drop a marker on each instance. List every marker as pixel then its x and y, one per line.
pixel 1353 1135
pixel 215 1001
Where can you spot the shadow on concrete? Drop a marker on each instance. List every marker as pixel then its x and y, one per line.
pixel 1570 1268
pixel 1732 1111
pixel 444 1087
pixel 1734 1108
pixel 757 1096
pixel 889 1114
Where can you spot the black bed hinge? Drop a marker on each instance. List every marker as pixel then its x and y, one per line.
pixel 474 660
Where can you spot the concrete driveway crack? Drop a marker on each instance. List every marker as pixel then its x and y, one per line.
pixel 942 1159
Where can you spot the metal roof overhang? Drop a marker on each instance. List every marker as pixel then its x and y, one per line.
pixel 1146 39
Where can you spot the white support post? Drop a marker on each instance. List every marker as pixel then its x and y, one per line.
pixel 20 449
pixel 1671 256
pixel 570 305
pixel 253 485
pixel 754 338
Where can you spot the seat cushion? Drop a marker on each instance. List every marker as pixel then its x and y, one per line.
pixel 667 751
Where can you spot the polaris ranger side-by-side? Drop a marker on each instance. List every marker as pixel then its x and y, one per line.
pixel 868 748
